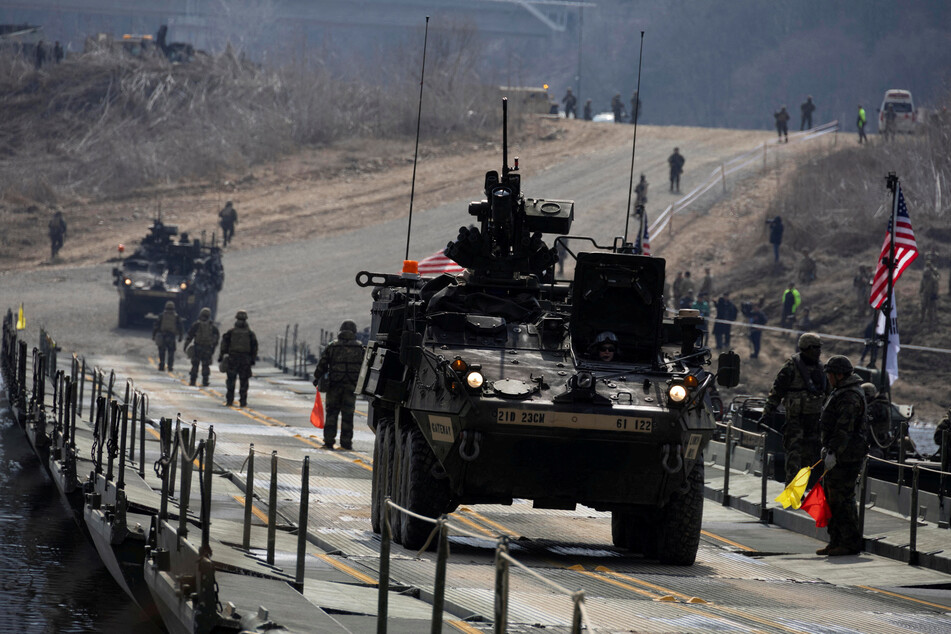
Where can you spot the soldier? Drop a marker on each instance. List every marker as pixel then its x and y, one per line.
pixel 205 334
pixel 240 345
pixel 879 418
pixel 686 291
pixel 928 291
pixel 860 123
pixel 706 284
pixel 806 109
pixel 617 108
pixel 757 318
pixel 860 284
pixel 807 268
pixel 228 218
pixel 588 114
pixel 571 104
pixel 801 387
pixel 871 343
pixel 57 52
pixel 726 311
pixel 890 116
pixel 676 161
pixel 340 361
pixel 166 328
pixel 939 436
pixel 57 231
pixel 782 123
pixel 604 348
pixel 635 107
pixel 641 192
pixel 776 236
pixel 677 285
pixel 40 54
pixel 843 449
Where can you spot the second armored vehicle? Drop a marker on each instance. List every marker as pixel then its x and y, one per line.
pixel 505 383
pixel 186 272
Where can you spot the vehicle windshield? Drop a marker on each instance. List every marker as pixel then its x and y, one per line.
pixel 899 106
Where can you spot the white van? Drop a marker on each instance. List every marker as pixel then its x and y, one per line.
pixel 906 117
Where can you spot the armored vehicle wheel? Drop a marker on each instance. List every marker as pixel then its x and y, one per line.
pixel 423 493
pixel 123 315
pixel 679 530
pixel 376 482
pixel 391 484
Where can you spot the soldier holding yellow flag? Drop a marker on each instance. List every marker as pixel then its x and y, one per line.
pixel 843 448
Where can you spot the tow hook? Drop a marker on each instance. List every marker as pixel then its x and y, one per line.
pixel 665 457
pixel 470 455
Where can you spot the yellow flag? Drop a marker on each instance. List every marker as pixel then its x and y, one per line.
pixel 792 494
pixel 21 320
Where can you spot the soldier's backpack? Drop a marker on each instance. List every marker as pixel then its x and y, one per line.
pixel 169 322
pixel 240 341
pixel 204 335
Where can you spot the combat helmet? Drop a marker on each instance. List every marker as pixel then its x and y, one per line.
pixel 241 315
pixel 870 391
pixel 204 313
pixel 838 364
pixel 348 326
pixel 169 305
pixel 607 335
pixel 809 340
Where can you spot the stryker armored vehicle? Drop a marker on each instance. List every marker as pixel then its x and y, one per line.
pixel 160 269
pixel 489 386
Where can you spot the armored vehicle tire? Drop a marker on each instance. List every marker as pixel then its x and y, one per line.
pixel 391 483
pixel 423 493
pixel 678 535
pixel 376 482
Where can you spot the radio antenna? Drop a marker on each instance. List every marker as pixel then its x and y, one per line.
pixel 637 103
pixel 419 113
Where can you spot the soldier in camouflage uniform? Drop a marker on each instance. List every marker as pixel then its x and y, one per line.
pixel 166 328
pixel 928 291
pixel 340 362
pixel 205 334
pixel 843 449
pixel 801 387
pixel 241 347
pixel 943 425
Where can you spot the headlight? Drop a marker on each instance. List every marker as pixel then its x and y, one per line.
pixel 127 282
pixel 475 380
pixel 677 393
pixel 459 365
pixel 183 285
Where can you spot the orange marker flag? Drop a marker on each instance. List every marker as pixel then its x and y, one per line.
pixel 815 504
pixel 317 414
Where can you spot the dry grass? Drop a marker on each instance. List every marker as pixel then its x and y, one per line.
pixel 105 123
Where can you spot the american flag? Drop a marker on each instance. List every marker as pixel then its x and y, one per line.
pixel 438 263
pixel 643 243
pixel 906 250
